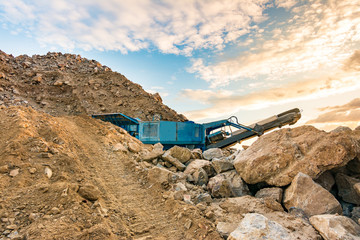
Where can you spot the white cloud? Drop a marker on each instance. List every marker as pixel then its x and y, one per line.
pixel 310 89
pixel 177 27
pixel 319 38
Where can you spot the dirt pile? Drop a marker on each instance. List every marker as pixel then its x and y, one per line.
pixel 75 177
pixel 63 84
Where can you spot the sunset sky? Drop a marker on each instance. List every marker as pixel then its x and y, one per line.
pixel 210 59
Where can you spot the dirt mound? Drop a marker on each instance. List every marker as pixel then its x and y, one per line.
pixel 63 84
pixel 74 177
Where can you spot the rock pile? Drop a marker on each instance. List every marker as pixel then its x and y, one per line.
pixel 62 84
pixel 290 184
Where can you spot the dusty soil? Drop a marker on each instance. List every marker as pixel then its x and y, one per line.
pixel 63 84
pixel 74 177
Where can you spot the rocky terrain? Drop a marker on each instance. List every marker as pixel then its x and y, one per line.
pixel 65 175
pixel 62 84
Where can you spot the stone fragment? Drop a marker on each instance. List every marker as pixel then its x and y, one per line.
pixel 134 147
pixel 199 163
pixel 333 227
pixel 346 188
pixel 89 192
pixel 225 228
pixel 33 216
pixel 326 180
pixel 160 175
pixel 272 193
pixel 55 211
pixel 277 157
pixel 11 227
pixel 32 170
pixel 272 204
pixel 180 153
pixel 257 226
pixel 221 165
pixel 14 172
pixel 298 212
pixel 213 153
pixel 305 194
pixel 167 157
pixel 203 197
pixel 48 172
pixel 200 177
pixel 158 147
pixel 154 154
pixel 196 153
pixel 228 184
pixel 188 224
pixel 120 148
pixel 4 169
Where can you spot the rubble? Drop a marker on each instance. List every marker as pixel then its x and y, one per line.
pixel 277 157
pixel 305 194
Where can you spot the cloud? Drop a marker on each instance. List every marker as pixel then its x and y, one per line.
pixel 177 27
pixel 316 38
pixel 347 113
pixel 353 63
pixel 292 92
pixel 285 3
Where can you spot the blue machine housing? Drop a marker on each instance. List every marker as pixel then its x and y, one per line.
pixel 187 134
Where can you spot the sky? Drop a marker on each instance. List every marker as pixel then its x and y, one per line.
pixel 210 59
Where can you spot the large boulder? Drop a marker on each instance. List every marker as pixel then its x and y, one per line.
pixel 228 184
pixel 347 190
pixel 213 153
pixel 333 227
pixel 257 226
pixel 180 153
pixel 233 210
pixel 309 196
pixel 277 157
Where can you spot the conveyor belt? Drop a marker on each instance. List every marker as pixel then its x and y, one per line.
pixel 286 118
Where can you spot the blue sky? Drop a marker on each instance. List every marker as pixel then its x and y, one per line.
pixel 209 59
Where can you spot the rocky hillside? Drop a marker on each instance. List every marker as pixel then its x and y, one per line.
pixel 75 177
pixel 62 84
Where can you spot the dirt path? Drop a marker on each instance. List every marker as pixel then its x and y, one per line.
pixel 142 206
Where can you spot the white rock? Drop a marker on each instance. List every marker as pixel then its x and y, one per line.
pixel 48 172
pixel 14 172
pixel 334 227
pixel 256 226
